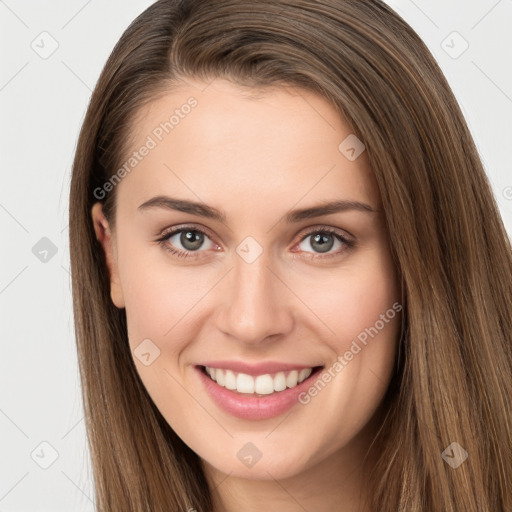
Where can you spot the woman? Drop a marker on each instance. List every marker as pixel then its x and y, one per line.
pixel 292 286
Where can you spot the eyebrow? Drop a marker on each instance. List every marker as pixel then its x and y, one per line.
pixel 293 216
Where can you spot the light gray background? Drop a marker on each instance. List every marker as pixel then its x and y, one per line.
pixel 42 105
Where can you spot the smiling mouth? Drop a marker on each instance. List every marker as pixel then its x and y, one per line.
pixel 259 385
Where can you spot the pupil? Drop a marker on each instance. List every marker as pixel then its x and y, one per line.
pixel 323 242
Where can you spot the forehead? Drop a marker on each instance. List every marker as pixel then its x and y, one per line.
pixel 227 144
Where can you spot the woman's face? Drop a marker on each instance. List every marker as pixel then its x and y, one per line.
pixel 252 279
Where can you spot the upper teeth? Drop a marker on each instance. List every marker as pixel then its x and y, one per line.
pixel 261 384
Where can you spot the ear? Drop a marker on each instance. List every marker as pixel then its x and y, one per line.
pixel 104 236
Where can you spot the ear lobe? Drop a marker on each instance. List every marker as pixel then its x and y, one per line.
pixel 104 236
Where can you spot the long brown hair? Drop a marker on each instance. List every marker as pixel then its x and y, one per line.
pixel 453 379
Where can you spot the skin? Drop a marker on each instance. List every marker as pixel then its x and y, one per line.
pixel 255 157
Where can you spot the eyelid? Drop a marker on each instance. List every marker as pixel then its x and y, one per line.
pixel 167 232
pixel 305 232
pixel 328 229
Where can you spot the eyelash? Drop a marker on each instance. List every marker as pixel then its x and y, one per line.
pixel 187 254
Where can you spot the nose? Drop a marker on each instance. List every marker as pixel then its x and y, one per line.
pixel 256 303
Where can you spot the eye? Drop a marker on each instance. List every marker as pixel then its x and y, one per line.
pixel 322 240
pixel 191 239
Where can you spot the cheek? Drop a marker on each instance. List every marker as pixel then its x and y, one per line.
pixel 159 299
pixel 160 303
pixel 365 303
pixel 360 306
pixel 352 298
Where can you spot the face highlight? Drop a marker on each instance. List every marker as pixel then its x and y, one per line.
pixel 224 252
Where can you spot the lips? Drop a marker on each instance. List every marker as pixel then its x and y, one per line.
pixel 247 401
